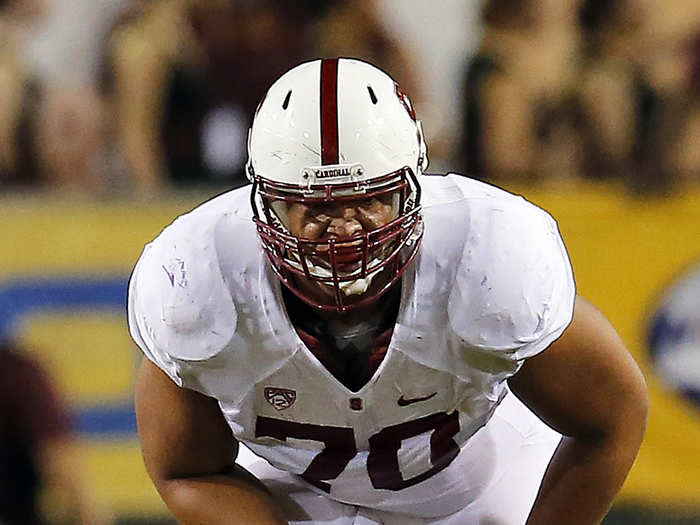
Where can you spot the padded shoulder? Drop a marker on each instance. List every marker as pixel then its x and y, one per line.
pixel 514 289
pixel 180 306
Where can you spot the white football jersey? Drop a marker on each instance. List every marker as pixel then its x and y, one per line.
pixel 491 286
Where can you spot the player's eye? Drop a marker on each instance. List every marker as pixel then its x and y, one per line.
pixel 375 214
pixel 315 225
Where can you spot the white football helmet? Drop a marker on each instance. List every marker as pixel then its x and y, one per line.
pixel 337 130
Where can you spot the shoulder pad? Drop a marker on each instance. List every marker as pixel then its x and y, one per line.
pixel 178 294
pixel 514 289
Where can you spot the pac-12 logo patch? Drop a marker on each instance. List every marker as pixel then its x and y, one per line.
pixel 674 336
pixel 280 398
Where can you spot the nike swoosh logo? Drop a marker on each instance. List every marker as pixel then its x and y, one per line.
pixel 405 402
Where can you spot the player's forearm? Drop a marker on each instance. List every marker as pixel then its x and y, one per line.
pixel 583 479
pixel 220 499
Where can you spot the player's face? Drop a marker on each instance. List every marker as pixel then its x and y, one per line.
pixel 340 220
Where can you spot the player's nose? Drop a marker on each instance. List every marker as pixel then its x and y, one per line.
pixel 344 228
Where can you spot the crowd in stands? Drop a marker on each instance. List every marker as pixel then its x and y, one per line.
pixel 173 94
pixel 558 89
pixel 595 89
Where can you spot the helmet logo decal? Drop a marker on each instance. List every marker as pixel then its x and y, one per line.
pixel 403 97
pixel 329 111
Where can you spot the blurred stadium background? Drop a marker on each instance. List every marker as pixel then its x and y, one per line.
pixel 118 115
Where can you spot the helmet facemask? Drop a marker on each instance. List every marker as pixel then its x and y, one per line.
pixel 346 268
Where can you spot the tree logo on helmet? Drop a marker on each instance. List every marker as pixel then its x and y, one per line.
pixel 403 97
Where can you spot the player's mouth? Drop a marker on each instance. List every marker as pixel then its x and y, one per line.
pixel 344 263
pixel 348 255
pixel 346 252
pixel 348 258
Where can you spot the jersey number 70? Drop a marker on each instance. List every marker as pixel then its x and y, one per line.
pixel 383 460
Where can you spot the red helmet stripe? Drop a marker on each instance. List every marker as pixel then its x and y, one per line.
pixel 329 111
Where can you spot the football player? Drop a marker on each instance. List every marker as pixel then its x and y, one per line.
pixel 397 347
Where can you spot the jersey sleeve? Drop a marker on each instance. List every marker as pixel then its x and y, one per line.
pixel 514 290
pixel 179 306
